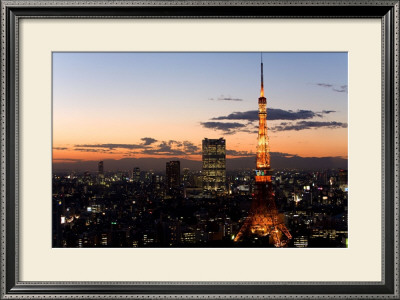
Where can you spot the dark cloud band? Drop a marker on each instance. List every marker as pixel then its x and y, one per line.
pixel 228 127
pixel 335 88
pixel 148 141
pixel 113 146
pixel 170 147
pixel 223 98
pixel 273 114
pixel 302 125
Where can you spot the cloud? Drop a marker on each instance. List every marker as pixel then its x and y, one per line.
pixel 112 146
pixel 283 155
pixel 60 148
pixel 302 125
pixel 148 141
pixel 327 85
pixel 250 115
pixel 280 114
pixel 335 88
pixel 223 98
pixel 191 148
pixel 88 150
pixel 273 114
pixel 328 111
pixel 342 89
pixel 57 160
pixel 239 153
pixel 100 150
pixel 149 146
pixel 172 142
pixel 164 148
pixel 173 147
pixel 228 128
pixel 171 152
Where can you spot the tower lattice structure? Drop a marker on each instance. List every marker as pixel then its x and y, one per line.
pixel 263 218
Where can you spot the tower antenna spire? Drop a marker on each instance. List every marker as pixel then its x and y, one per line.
pixel 262 78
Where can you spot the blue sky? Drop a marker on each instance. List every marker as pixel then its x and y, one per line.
pixel 119 98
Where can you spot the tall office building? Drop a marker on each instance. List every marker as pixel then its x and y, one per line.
pixel 136 174
pixel 185 178
pixel 100 168
pixel 214 165
pixel 343 177
pixel 173 172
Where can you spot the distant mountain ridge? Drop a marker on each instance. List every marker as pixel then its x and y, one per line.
pixel 278 161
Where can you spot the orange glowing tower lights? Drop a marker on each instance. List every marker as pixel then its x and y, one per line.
pixel 263 218
pixel 263 159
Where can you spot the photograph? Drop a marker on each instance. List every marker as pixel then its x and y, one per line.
pixel 149 146
pixel 199 149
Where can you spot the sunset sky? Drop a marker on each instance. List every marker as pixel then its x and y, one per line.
pixel 118 105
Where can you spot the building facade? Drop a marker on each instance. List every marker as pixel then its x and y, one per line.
pixel 100 172
pixel 214 165
pixel 100 168
pixel 136 174
pixel 173 172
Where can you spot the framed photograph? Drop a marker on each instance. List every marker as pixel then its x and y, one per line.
pixel 220 149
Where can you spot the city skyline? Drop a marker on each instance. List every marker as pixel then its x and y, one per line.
pixel 261 207
pixel 162 105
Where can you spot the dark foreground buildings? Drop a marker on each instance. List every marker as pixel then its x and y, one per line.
pixel 122 212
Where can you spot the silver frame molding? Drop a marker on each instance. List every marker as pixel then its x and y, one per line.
pixel 12 11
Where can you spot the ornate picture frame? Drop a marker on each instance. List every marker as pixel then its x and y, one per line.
pixel 12 12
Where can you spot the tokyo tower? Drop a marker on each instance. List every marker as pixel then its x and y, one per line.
pixel 263 218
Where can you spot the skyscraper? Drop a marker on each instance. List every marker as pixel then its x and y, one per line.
pixel 136 174
pixel 100 168
pixel 214 165
pixel 173 172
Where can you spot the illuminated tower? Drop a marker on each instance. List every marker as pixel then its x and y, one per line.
pixel 263 218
